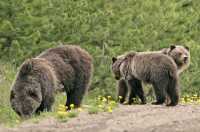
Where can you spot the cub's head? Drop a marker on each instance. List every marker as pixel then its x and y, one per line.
pixel 180 54
pixel 116 67
pixel 25 96
pixel 121 64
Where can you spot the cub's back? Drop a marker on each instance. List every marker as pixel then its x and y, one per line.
pixel 154 64
pixel 154 59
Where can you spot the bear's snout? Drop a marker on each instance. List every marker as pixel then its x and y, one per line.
pixel 185 59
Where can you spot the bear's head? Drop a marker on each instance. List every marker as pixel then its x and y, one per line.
pixel 121 64
pixel 180 54
pixel 116 67
pixel 26 94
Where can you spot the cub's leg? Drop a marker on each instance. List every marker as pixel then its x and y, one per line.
pixel 136 90
pixel 132 91
pixel 160 92
pixel 173 91
pixel 122 90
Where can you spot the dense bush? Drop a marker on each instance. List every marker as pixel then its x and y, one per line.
pixel 104 27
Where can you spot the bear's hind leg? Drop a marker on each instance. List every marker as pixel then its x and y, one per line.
pixel 122 90
pixel 160 92
pixel 74 97
pixel 173 91
pixel 76 94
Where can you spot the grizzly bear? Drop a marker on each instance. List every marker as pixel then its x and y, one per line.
pixel 154 68
pixel 38 78
pixel 181 56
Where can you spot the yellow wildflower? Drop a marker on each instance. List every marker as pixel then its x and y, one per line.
pixel 61 106
pixel 100 106
pixel 66 107
pixel 120 97
pixel 71 106
pixel 110 109
pixel 99 97
pixel 17 121
pixel 104 99
pixel 112 102
pixel 61 109
pixel 195 95
pixel 198 101
pixel 62 113
pixel 109 97
pixel 80 109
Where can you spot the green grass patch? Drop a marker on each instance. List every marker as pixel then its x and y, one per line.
pixel 93 110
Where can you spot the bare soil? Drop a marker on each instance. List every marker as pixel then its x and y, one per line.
pixel 134 118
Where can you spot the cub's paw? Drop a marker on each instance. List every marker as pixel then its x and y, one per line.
pixel 157 103
pixel 143 103
pixel 171 104
pixel 126 103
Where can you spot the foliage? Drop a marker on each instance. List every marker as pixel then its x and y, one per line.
pixel 192 99
pixel 104 27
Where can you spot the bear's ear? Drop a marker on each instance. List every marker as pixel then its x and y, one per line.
pixel 130 55
pixel 187 48
pixel 165 51
pixel 26 67
pixel 114 59
pixel 172 47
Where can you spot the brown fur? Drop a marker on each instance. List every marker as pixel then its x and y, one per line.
pixel 154 68
pixel 177 53
pixel 38 78
pixel 180 54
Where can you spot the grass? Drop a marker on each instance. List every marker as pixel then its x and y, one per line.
pixel 93 110
pixel 7 115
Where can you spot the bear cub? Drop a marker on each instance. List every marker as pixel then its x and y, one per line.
pixel 155 68
pixel 179 53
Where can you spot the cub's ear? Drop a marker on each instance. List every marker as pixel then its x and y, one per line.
pixel 114 59
pixel 164 51
pixel 187 48
pixel 26 67
pixel 172 47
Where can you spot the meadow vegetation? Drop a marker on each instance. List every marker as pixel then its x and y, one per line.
pixel 105 28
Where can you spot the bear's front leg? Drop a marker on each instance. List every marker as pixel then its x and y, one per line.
pixel 122 91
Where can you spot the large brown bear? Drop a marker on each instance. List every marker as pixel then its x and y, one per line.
pixel 38 78
pixel 181 56
pixel 154 68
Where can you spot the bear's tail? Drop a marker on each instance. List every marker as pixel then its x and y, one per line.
pixel 173 90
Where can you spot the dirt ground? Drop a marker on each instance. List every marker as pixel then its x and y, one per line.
pixel 134 118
